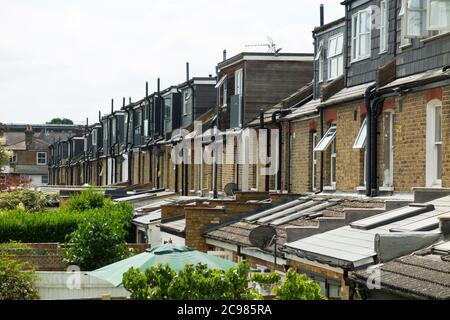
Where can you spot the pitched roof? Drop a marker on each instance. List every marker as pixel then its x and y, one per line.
pixel 304 214
pixel 426 276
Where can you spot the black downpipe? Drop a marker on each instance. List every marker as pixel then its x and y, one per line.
pixel 321 155
pixel 289 149
pixel 368 95
pixel 215 168
pixel 375 113
pixel 280 141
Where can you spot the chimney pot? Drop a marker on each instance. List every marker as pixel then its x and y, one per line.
pixel 322 15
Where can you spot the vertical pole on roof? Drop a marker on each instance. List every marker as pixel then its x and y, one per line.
pixel 322 15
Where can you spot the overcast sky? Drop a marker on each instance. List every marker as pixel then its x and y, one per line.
pixel 70 58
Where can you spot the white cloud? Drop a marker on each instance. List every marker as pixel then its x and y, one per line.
pixel 69 58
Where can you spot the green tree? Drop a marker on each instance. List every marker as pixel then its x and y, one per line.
pixel 297 287
pixel 192 283
pixel 4 158
pixel 17 279
pixel 60 121
pixel 99 239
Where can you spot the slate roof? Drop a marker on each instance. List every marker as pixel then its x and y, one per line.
pixel 237 231
pixel 423 276
pixel 286 103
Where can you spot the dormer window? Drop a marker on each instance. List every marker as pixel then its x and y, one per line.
pixel 361 22
pixel 335 56
pixel 424 18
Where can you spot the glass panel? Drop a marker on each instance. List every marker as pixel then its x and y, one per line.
pixel 334 291
pixel 326 140
pixel 439 162
pixel 360 141
pixel 439 15
pixel 438 124
pixel 387 141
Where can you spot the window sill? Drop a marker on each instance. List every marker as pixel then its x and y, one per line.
pixel 387 189
pixel 329 188
pixel 359 59
pixel 363 188
pixel 439 36
pixel 405 46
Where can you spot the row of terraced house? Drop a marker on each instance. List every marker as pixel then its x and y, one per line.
pixel 358 137
pixel 372 99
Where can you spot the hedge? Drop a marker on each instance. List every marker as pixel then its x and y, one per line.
pixel 50 226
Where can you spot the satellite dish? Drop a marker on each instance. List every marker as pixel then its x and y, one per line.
pixel 230 189
pixel 262 236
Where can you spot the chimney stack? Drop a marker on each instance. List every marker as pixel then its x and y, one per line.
pixel 444 226
pixel 112 106
pixel 159 85
pixel 224 54
pixel 322 15
pixel 29 135
pixel 146 89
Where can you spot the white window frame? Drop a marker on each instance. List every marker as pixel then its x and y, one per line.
pixel 333 157
pixel 94 137
pixel 319 59
pixel 186 97
pixel 314 162
pixel 361 138
pixel 390 182
pixel 337 54
pixel 238 81
pixel 357 35
pixel 406 11
pixel 433 144
pixel 360 143
pixel 429 25
pixel 37 158
pixel 327 139
pixel 384 26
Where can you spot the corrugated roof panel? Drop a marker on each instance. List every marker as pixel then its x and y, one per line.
pixel 304 212
pixel 275 209
pixel 390 217
pixel 289 211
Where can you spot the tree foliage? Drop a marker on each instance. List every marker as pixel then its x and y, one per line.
pixel 200 283
pixel 100 238
pixel 297 287
pixel 27 200
pixel 4 157
pixel 192 283
pixel 60 121
pixel 88 199
pixel 17 280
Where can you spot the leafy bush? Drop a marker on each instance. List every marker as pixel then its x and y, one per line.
pixel 100 238
pixel 27 200
pixel 192 283
pixel 53 226
pixel 45 226
pixel 200 283
pixel 16 283
pixel 297 287
pixel 88 199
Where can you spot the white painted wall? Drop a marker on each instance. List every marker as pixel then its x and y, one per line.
pixel 175 239
pixel 75 286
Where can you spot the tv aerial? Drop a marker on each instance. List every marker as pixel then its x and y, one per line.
pixel 270 45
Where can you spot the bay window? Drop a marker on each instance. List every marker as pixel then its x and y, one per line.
pixel 335 56
pixel 361 22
